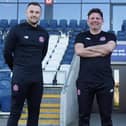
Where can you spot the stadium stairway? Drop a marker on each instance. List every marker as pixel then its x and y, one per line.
pixel 50 108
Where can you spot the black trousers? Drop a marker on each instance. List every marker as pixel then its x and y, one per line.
pixel 104 97
pixel 32 92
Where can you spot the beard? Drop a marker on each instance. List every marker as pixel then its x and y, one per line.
pixel 33 22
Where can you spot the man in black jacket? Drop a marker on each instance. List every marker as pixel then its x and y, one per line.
pixel 25 48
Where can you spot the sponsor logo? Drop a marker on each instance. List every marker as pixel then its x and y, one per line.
pixel 78 92
pixel 26 37
pixel 15 87
pixel 41 39
pixel 103 38
pixel 88 38
pixel 111 90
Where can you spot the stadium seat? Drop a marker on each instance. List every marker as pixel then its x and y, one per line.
pixel 3 23
pixel 121 35
pixel 53 24
pixel 22 21
pixel 13 22
pixel 72 25
pixel 63 25
pixel 123 28
pixel 44 23
pixel 4 74
pixel 1 31
pixel 67 59
pixel 82 25
pixel 1 37
pixel 5 95
pixel 111 31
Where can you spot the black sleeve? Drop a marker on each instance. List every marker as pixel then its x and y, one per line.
pixel 112 37
pixel 45 46
pixel 79 38
pixel 9 48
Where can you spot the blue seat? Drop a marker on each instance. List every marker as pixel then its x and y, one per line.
pixel 2 61
pixel 66 62
pixel 123 27
pixel 5 86
pixel 5 75
pixel 22 21
pixel 1 30
pixel 13 22
pixel 5 95
pixel 111 31
pixel 121 35
pixel 1 64
pixel 5 103
pixel 70 46
pixel 53 26
pixel 3 23
pixel 75 32
pixel 53 23
pixel 73 25
pixel 63 25
pixel 68 56
pixel 72 41
pixel 44 23
pixel 83 25
pixel 1 37
pixel 124 21
pixel 53 32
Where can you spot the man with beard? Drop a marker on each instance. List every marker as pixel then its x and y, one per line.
pixel 25 48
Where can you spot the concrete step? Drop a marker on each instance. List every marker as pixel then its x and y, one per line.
pixel 46 110
pixel 42 116
pixel 45 105
pixel 49 108
pixel 50 105
pixel 44 122
pixel 51 96
pixel 52 90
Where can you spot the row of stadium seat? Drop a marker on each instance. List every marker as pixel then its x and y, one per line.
pixel 4 23
pixel 121 35
pixel 55 25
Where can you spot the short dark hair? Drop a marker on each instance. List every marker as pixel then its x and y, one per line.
pixel 95 10
pixel 34 3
